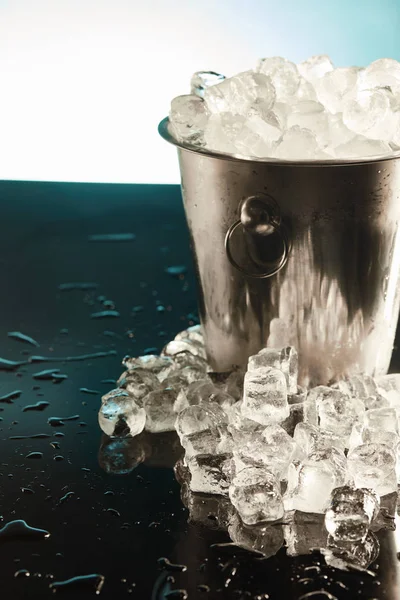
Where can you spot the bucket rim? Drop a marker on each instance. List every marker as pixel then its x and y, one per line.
pixel 163 130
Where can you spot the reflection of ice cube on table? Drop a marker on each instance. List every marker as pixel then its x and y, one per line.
pixel 210 474
pixel 304 532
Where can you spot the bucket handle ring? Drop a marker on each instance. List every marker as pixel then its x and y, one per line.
pixel 256 218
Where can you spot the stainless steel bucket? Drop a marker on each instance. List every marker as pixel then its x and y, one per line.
pixel 295 253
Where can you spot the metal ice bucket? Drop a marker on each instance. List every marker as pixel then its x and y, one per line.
pixel 295 253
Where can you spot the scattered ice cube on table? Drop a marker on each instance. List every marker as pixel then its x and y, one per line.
pixel 333 87
pixel 187 359
pixel 264 538
pixel 382 418
pixel 188 117
pixel 177 346
pixel 315 67
pixel 334 460
pixel 201 80
pixel 360 553
pixel 351 512
pixel 285 360
pixel 361 147
pixel 373 466
pixel 161 366
pixel 311 438
pixel 370 113
pixel 159 407
pixel 336 411
pixel 283 73
pixel 210 473
pixel 138 383
pixel 241 428
pixel 202 429
pixel 236 94
pixel 265 396
pixel 200 391
pixel 309 486
pixel 120 415
pixel 255 493
pixel 192 334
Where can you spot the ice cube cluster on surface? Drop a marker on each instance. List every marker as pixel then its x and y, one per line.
pixel 309 111
pixel 266 447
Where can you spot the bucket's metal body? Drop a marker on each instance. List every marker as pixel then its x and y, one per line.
pixel 338 293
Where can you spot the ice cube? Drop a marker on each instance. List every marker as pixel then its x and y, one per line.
pixel 306 90
pixel 159 407
pixel 337 133
pixel 312 116
pixel 241 428
pixel 382 418
pixel 196 418
pixel 278 330
pixel 162 366
pixel 271 449
pixel 334 460
pixel 304 532
pixel 187 359
pixel 336 411
pixel 296 416
pixel 120 415
pixel 188 117
pixel 214 512
pixel 283 73
pixel 200 391
pixel 223 399
pixel 138 383
pixel 310 414
pixel 201 80
pixel 177 346
pixel 285 360
pixel 222 130
pixel 389 387
pixel 264 539
pixel 265 396
pixel 362 147
pixel 381 73
pixel 370 113
pixel 315 67
pixel 360 553
pixel 298 144
pixel 357 386
pixel 238 93
pixel 230 383
pixel 356 436
pixel 373 466
pixel 255 493
pixel 192 334
pixel 309 486
pixel 311 438
pixel 350 513
pixel 299 397
pixel 256 138
pixel 333 87
pixel 210 473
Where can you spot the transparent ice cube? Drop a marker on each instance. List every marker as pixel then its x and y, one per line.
pixel 265 396
pixel 162 366
pixel 373 466
pixel 336 411
pixel 188 117
pixel 382 418
pixel 389 387
pixel 370 113
pixel 351 512
pixel 309 486
pixel 241 428
pixel 201 391
pixel 362 147
pixel 210 473
pixel 333 87
pixel 311 438
pixel 310 115
pixel 159 407
pixel 315 67
pixel 381 73
pixel 255 493
pixel 197 418
pixel 298 144
pixel 334 460
pixel 138 383
pixel 264 539
pixel 192 334
pixel 201 80
pixel 236 94
pixel 283 73
pixel 187 359
pixel 278 329
pixel 360 553
pixel 306 90
pixel 285 360
pixel 120 415
pixel 222 130
pixel 183 345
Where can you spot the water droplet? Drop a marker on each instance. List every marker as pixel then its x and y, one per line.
pixel 39 406
pixel 34 455
pixel 21 337
pixel 20 529
pixel 46 374
pixel 85 390
pixel 11 365
pixel 59 421
pixel 176 271
pixel 114 512
pixel 94 582
pixel 8 398
pixel 25 490
pixel 137 309
pixel 35 436
pixel 77 358
pixel 112 237
pixel 108 381
pixel 67 287
pixel 65 497
pixel 166 564
pixel 58 458
pixel 105 314
pixel 202 587
pixel 22 573
pixel 176 595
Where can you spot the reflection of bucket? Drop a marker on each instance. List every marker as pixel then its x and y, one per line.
pixel 306 254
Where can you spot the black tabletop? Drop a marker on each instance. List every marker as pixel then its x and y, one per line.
pixel 113 507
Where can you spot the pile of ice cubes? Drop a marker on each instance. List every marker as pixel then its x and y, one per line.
pixel 263 442
pixel 309 111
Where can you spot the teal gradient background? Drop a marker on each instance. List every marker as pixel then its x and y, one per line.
pixel 84 83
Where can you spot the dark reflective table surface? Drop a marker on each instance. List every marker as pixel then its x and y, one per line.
pixel 113 507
